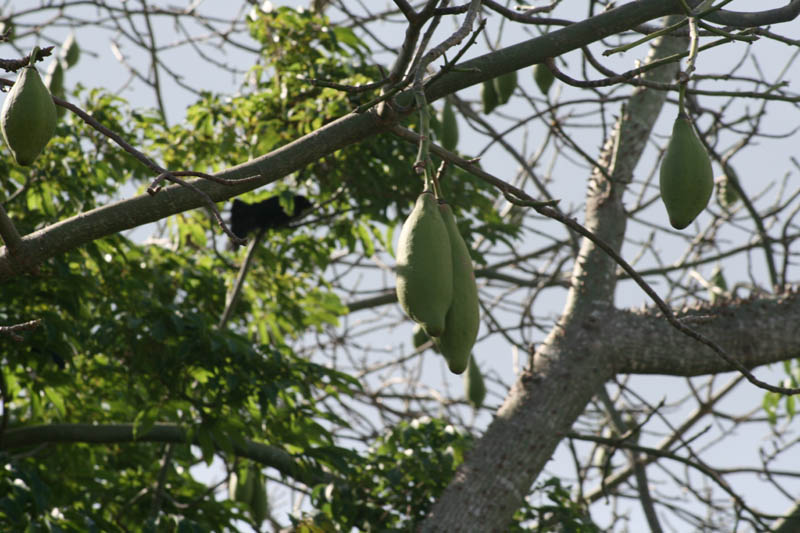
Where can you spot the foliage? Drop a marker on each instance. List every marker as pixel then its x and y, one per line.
pixel 397 480
pixel 561 515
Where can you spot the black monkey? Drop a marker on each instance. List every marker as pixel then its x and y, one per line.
pixel 266 214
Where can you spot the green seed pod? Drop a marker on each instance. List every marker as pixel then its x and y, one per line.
pixel 489 96
pixel 242 483
pixel 54 79
pixel 474 387
pixel 425 266
pixel 28 117
pixel 70 50
pixel 504 86
pixel 463 316
pixel 436 123
pixel 543 77
pixel 686 177
pixel 259 506
pixel 449 127
pixel 420 337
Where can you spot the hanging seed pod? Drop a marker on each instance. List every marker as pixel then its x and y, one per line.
pixel 241 484
pixel 686 178
pixel 425 266
pixel 28 117
pixel 259 506
pixel 463 316
pixel 54 78
pixel 70 50
pixel 449 127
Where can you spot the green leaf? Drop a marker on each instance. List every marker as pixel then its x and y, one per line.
pixel 57 400
pixel 366 239
pixel 205 440
pixel 770 405
pixel 144 421
pixel 389 238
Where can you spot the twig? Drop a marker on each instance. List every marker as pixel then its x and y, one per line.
pixel 159 493
pixel 25 326
pixel 233 295
pixel 170 176
pixel 419 88
pixel 13 65
pixel 351 89
pixel 708 471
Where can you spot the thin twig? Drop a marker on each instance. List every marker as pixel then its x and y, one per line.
pixel 233 295
pixel 25 326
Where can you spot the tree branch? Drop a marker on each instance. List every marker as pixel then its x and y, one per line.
pixel 23 437
pixel 755 332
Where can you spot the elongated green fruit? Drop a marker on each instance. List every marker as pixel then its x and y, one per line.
pixel 686 176
pixel 54 79
pixel 70 50
pixel 463 317
pixel 243 483
pixel 474 386
pixel 543 77
pixel 258 504
pixel 449 127
pixel 425 266
pixel 28 117
pixel 505 85
pixel 489 96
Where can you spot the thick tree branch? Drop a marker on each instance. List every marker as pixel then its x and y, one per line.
pixel 754 332
pixel 23 437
